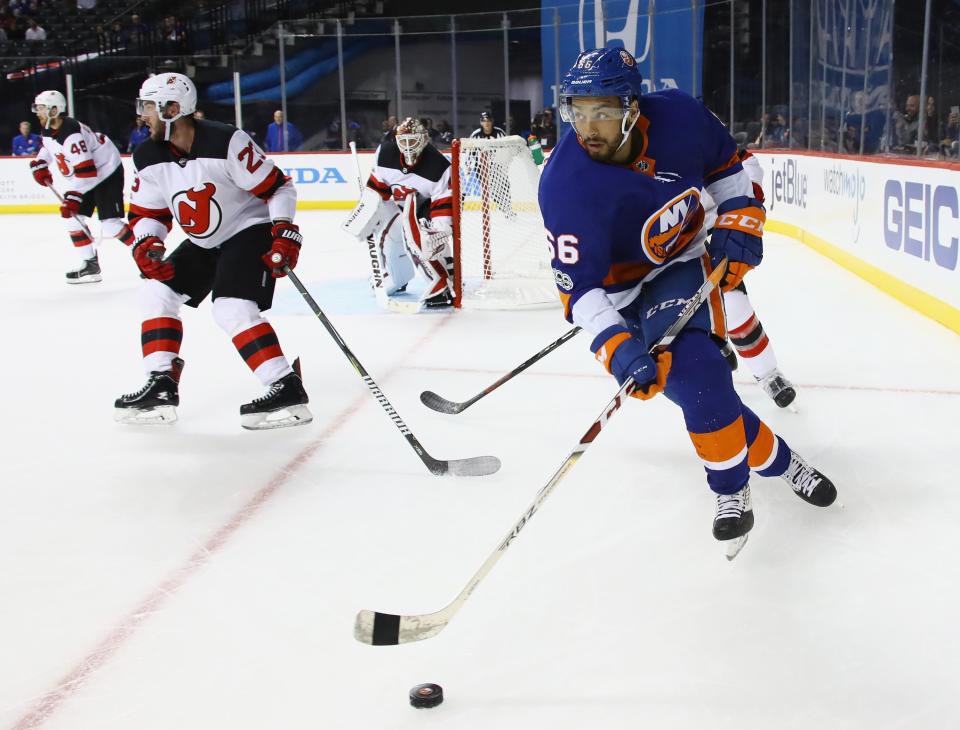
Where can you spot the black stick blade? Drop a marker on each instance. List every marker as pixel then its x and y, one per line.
pixel 377 629
pixel 440 404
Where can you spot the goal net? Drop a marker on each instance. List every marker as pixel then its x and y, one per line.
pixel 501 257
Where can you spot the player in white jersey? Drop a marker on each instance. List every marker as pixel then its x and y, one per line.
pixel 237 208
pixel 90 164
pixel 407 209
pixel 743 326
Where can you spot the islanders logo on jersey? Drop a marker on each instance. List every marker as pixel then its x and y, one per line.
pixel 661 231
pixel 197 211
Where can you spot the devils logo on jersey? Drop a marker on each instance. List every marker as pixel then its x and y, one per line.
pixel 197 211
pixel 662 233
pixel 62 165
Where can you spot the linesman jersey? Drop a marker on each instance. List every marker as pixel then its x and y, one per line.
pixel 753 169
pixel 429 179
pixel 85 158
pixel 224 185
pixel 495 134
pixel 611 227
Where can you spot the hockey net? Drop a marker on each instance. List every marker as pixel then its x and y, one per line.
pixel 501 257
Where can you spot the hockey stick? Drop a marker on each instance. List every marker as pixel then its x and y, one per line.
pixel 475 466
pixel 377 263
pixel 78 219
pixel 384 629
pixel 442 405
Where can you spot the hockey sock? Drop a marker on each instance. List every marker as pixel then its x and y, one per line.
pixel 117 228
pixel 747 334
pixel 82 244
pixel 700 383
pixel 160 339
pixel 259 347
pixel 769 455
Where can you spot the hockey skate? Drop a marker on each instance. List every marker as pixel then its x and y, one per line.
pixel 285 404
pixel 809 484
pixel 734 520
pixel 439 301
pixel 155 403
pixel 779 389
pixel 86 274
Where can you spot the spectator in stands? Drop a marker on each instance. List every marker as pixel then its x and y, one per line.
pixel 3 34
pixel 277 130
pixel 34 32
pixel 138 134
pixel 389 128
pixel 431 131
pixel 26 144
pixel 446 133
pixel 137 32
pixel 173 33
pixel 487 130
pixel 950 143
pixel 776 133
pixel 86 4
pixel 907 124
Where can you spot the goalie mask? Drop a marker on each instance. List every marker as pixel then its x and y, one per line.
pixel 603 72
pixel 158 92
pixel 412 139
pixel 54 104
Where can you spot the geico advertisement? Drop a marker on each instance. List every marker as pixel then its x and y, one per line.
pixel 903 219
pixel 322 179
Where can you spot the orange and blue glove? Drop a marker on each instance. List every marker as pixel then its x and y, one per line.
pixel 738 236
pixel 624 356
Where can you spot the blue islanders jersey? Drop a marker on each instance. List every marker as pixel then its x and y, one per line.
pixel 613 227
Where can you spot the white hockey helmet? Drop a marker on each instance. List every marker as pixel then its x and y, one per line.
pixel 53 102
pixel 158 91
pixel 412 139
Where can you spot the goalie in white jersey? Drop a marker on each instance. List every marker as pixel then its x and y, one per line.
pixel 405 214
pixel 90 165
pixel 237 208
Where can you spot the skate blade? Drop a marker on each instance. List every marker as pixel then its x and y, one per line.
pixel 90 279
pixel 733 547
pixel 282 418
pixel 159 416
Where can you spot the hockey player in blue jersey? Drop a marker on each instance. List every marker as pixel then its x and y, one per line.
pixel 621 204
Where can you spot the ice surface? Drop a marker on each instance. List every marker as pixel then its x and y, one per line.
pixel 199 576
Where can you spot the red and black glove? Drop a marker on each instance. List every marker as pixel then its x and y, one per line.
pixel 148 252
pixel 285 250
pixel 70 207
pixel 41 172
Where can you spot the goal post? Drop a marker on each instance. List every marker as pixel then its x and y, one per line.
pixel 500 252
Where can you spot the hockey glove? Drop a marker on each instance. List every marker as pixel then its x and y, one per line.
pixel 738 235
pixel 626 357
pixel 148 252
pixel 70 207
pixel 285 250
pixel 41 172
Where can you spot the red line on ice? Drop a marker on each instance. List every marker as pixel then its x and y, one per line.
pixel 106 649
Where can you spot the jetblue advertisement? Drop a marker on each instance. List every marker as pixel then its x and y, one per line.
pixel 667 42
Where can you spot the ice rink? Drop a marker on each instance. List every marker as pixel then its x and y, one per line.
pixel 200 576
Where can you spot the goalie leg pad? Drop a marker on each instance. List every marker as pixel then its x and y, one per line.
pixel 399 266
pixel 423 241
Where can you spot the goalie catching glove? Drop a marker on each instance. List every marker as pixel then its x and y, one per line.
pixel 625 357
pixel 738 236
pixel 285 249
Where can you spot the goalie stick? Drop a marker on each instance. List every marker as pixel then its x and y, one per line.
pixel 442 405
pixel 373 250
pixel 475 466
pixel 387 629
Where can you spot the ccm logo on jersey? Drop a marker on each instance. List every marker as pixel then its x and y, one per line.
pixel 197 211
pixel 662 230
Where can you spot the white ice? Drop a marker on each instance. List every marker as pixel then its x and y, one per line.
pixel 200 576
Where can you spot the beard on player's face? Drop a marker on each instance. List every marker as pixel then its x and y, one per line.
pixel 601 147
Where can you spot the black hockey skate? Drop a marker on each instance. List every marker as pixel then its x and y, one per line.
pixel 86 274
pixel 726 349
pixel 155 402
pixel 809 484
pixel 778 388
pixel 285 404
pixel 734 520
pixel 439 301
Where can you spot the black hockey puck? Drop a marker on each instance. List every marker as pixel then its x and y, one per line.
pixel 426 695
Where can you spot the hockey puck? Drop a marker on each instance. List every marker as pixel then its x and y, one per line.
pixel 426 695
